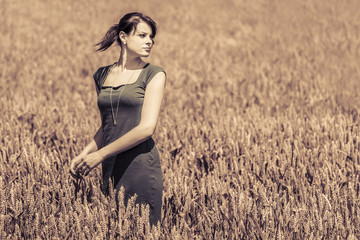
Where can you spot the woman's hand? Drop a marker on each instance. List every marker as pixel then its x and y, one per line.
pixel 89 162
pixel 73 166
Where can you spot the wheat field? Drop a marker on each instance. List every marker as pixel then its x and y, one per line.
pixel 258 133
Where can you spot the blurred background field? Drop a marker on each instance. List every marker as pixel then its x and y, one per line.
pixel 258 134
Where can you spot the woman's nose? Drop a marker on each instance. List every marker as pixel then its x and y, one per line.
pixel 149 41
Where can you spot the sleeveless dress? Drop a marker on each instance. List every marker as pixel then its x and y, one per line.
pixel 138 169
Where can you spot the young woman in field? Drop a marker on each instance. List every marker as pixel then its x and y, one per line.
pixel 130 93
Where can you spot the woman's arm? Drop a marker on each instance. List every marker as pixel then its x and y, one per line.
pixel 95 144
pixel 149 117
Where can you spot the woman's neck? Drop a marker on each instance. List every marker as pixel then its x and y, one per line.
pixel 127 62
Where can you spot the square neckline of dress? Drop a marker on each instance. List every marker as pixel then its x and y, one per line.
pixel 117 87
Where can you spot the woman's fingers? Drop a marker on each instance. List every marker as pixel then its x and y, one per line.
pixel 87 169
pixel 72 171
pixel 85 164
pixel 74 167
pixel 83 168
pixel 77 162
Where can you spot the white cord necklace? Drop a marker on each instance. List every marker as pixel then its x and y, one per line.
pixel 117 105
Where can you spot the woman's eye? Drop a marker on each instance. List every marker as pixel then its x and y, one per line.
pixel 142 35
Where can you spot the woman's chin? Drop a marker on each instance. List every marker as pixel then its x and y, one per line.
pixel 145 55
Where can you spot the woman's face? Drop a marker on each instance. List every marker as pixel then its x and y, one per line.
pixel 139 41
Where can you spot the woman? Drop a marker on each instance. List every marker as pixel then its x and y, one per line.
pixel 130 94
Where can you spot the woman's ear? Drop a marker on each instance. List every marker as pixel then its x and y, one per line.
pixel 122 37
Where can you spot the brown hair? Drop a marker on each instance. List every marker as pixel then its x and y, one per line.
pixel 126 24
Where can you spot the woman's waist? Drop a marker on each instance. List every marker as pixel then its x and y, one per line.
pixel 115 128
pixel 145 146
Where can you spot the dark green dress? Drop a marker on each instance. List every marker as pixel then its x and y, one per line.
pixel 138 169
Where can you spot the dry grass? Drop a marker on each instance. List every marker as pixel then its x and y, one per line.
pixel 259 131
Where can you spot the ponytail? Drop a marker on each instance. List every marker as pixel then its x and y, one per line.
pixel 110 37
